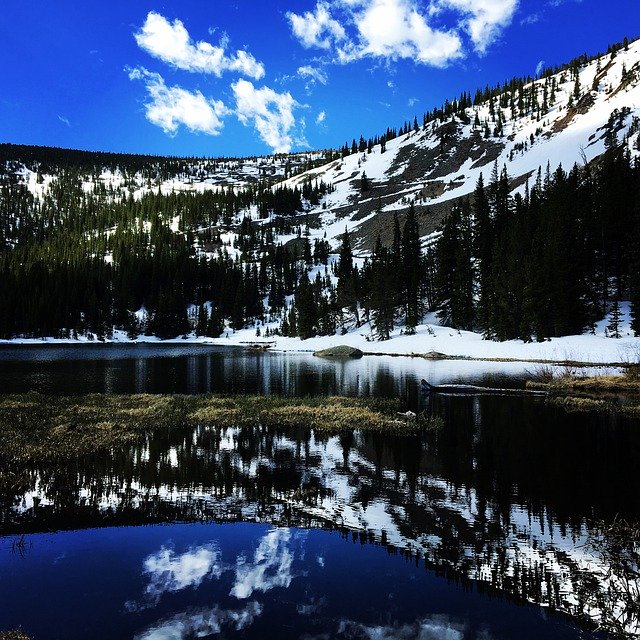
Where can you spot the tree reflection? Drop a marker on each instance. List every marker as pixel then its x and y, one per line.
pixel 503 495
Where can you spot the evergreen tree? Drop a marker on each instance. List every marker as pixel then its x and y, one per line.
pixel 382 299
pixel 411 263
pixel 306 309
pixel 614 320
pixel 347 279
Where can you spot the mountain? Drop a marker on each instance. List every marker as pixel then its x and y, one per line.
pixel 108 233
pixel 566 117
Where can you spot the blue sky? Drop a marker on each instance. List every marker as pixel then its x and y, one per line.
pixel 249 77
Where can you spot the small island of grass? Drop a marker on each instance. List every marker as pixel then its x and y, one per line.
pixel 36 427
pixel 619 394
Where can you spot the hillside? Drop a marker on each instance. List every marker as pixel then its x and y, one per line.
pixel 262 226
pixel 441 161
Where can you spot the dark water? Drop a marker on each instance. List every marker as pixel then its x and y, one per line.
pixel 240 580
pixel 483 529
pixel 149 368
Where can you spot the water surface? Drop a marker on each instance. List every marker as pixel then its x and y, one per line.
pixel 483 529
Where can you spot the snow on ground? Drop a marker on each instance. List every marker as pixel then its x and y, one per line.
pixel 589 348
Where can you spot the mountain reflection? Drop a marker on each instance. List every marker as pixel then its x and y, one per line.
pixel 504 495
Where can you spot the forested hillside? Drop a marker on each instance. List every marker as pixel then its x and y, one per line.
pixel 466 213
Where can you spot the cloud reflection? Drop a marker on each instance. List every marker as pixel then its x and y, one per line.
pixel 433 628
pixel 271 566
pixel 170 572
pixel 202 623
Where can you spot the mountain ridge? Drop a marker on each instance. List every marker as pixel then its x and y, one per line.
pixel 238 216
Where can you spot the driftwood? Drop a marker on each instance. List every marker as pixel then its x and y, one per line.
pixel 472 389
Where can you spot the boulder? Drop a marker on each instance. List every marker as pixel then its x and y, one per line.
pixel 339 351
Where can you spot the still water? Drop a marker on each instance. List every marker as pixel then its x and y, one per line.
pixel 484 529
pixel 149 368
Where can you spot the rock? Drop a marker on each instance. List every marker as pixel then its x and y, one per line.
pixel 339 351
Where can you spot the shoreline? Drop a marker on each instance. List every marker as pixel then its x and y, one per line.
pixel 264 348
pixel 429 341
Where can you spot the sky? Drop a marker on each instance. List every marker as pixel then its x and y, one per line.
pixel 237 78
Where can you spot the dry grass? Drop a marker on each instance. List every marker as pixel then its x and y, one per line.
pixel 597 384
pixel 13 635
pixel 34 427
pixel 617 394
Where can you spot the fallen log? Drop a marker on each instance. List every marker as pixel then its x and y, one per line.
pixel 471 389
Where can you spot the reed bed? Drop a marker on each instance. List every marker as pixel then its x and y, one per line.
pixel 617 394
pixel 13 635
pixel 594 385
pixel 35 427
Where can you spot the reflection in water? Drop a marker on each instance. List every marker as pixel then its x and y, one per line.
pixel 502 496
pixel 271 566
pixel 206 369
pixel 168 572
pixel 203 623
pixel 435 628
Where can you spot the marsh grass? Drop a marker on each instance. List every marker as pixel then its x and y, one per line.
pixel 617 394
pixel 35 427
pixel 13 635
pixel 596 384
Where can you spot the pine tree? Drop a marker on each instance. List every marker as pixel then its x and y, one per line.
pixel 483 249
pixel 614 320
pixel 215 325
pixel 365 184
pixel 347 278
pixel 381 298
pixel 202 321
pixel 411 262
pixel 305 307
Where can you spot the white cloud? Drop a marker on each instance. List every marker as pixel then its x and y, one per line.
pixel 532 18
pixel 484 19
pixel 412 102
pixel 321 117
pixel 170 107
pixel 388 29
pixel 271 566
pixel 539 67
pixel 64 120
pixel 270 112
pixel 317 29
pixel 394 29
pixel 171 43
pixel 313 74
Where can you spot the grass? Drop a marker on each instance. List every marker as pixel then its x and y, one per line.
pixel 593 385
pixel 35 427
pixel 618 394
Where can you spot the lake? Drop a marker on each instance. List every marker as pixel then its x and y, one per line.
pixel 483 529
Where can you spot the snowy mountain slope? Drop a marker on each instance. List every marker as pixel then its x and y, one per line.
pixel 442 161
pixel 165 174
pixel 430 167
pixel 568 116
